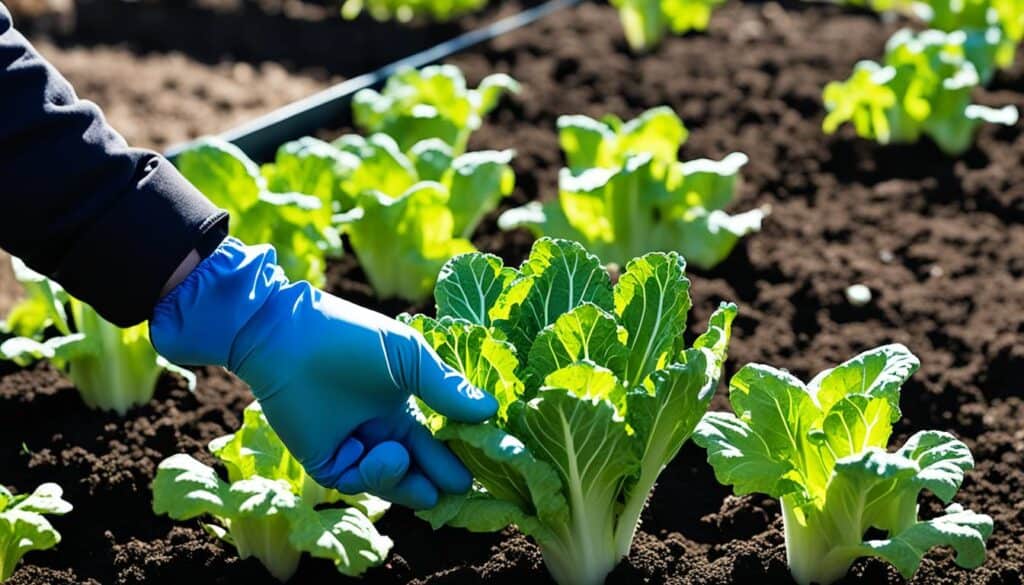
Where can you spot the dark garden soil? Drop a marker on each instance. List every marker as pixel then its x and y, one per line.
pixel 939 242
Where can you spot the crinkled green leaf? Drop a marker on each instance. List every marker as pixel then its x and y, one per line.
pixel 296 224
pixel 381 166
pixel 469 285
pixel 572 457
pixel 345 536
pixel 420 227
pixel 588 332
pixel 433 102
pixel 639 203
pixel 312 167
pixel 878 372
pixel 501 463
pixel 558 276
pixel 820 449
pixel 716 337
pixel 742 459
pixel 255 449
pixel 486 361
pixel 964 530
pixel 652 299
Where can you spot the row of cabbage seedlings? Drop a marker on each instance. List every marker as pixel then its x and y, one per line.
pixel 598 393
pixel 924 83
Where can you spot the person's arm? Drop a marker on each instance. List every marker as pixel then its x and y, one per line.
pixel 111 223
pixel 120 229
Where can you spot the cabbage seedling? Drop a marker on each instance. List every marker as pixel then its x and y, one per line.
pixel 597 394
pixel 23 524
pixel 270 508
pixel 820 448
pixel 112 368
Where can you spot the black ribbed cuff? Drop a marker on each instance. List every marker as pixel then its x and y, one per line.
pixel 123 262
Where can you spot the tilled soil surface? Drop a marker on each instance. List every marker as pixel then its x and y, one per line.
pixel 939 242
pixel 168 71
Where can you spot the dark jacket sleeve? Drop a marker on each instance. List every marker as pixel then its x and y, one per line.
pixel 108 222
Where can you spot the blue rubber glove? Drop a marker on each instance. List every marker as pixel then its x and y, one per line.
pixel 334 379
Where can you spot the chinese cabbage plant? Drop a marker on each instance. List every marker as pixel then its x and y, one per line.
pixel 428 201
pixel 597 394
pixel 923 87
pixel 270 508
pixel 112 368
pixel 820 448
pixel 624 193
pixel 433 102
pixel 645 22
pixel 297 222
pixel 23 524
pixel 408 10
pixel 993 28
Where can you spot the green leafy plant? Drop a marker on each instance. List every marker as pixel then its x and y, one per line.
pixel 297 223
pixel 476 182
pixel 597 394
pixel 270 508
pixel 993 28
pixel 433 102
pixel 409 10
pixel 922 88
pixel 23 524
pixel 624 193
pixel 112 368
pixel 820 448
pixel 645 22
pixel 428 202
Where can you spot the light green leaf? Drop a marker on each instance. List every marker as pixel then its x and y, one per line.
pixel 432 159
pixel 877 372
pixel 477 182
pixel 420 227
pixel 486 361
pixel 588 332
pixel 652 299
pixel 666 417
pixel 964 530
pixel 345 536
pixel 23 526
pixel 224 174
pixel 184 489
pixel 256 450
pixel 557 277
pixel 742 459
pixel 716 337
pixel 469 285
pixel 942 459
pixel 312 167
pixel 501 463
pixel 381 166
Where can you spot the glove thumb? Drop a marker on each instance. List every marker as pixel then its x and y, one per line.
pixel 449 393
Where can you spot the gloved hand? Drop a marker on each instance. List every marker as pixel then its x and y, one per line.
pixel 334 379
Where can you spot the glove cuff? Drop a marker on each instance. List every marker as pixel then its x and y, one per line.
pixel 198 321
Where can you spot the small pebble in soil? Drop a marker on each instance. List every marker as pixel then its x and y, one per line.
pixel 858 295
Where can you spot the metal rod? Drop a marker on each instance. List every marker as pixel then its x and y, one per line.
pixel 261 137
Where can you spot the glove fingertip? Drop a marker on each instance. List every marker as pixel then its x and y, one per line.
pixel 457 399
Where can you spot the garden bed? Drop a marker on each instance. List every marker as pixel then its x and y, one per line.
pixel 168 71
pixel 938 242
